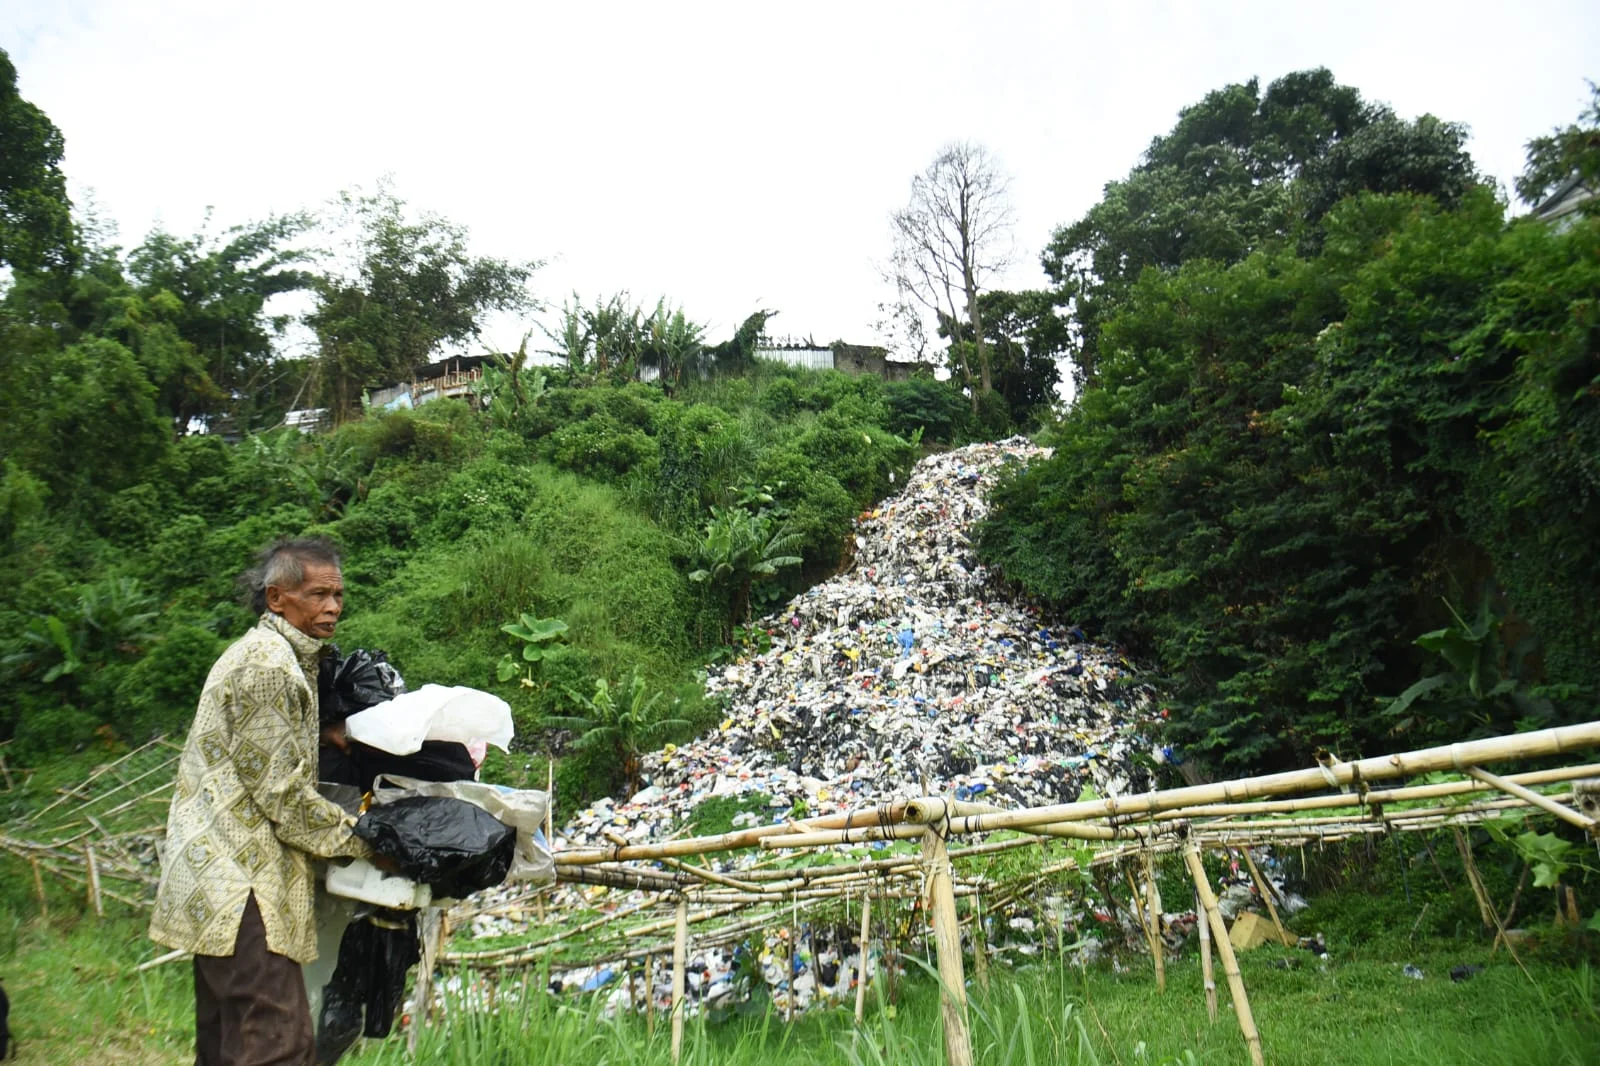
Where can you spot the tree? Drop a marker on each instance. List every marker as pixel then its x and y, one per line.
pixel 949 238
pixel 36 230
pixel 412 289
pixel 1241 170
pixel 1572 152
pixel 196 315
pixel 1028 336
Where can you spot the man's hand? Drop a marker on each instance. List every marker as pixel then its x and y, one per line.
pixel 385 863
pixel 337 735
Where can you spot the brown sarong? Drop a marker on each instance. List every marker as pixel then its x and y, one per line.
pixel 250 1007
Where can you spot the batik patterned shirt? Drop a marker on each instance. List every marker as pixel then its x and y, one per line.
pixel 246 816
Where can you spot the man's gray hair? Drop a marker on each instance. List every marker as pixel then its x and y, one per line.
pixel 283 563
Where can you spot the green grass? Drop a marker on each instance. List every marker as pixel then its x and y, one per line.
pixel 75 998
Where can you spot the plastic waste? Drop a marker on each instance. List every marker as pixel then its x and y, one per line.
pixel 433 712
pixel 354 682
pixel 368 984
pixel 361 764
pixel 521 809
pixel 361 880
pixel 454 847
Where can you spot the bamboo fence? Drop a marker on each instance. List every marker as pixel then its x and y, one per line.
pixel 631 903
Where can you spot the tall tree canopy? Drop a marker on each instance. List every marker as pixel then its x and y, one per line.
pixel 412 288
pixel 36 231
pixel 1572 151
pixel 1309 459
pixel 1243 168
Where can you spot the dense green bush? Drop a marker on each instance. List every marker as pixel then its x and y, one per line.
pixel 1287 466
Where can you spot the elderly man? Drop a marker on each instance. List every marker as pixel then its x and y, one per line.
pixel 246 821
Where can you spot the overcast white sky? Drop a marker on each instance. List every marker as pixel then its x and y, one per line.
pixel 728 156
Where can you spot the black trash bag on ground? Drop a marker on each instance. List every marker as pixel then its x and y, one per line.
pixel 354 682
pixel 360 765
pixel 369 982
pixel 449 844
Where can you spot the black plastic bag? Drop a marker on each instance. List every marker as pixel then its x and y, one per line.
pixel 360 765
pixel 355 682
pixel 452 845
pixel 369 980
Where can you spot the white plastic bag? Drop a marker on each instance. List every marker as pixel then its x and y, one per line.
pixel 433 712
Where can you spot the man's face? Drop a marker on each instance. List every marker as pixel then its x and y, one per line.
pixel 315 606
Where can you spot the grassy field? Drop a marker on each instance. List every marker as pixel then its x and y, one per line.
pixel 75 999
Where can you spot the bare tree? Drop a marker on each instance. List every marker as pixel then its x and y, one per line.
pixel 954 233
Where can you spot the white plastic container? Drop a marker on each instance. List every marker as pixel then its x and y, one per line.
pixel 361 880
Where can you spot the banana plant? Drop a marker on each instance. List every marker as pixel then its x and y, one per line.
pixel 737 550
pixel 623 722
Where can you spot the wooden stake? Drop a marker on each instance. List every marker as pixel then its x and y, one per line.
pixel 1152 904
pixel 1152 937
pixel 1485 911
pixel 38 886
pixel 1511 911
pixel 680 951
pixel 550 803
pixel 429 927
pixel 1207 975
pixel 980 943
pixel 649 996
pixel 861 959
pixel 941 902
pixel 94 881
pixel 1230 964
pixel 1267 893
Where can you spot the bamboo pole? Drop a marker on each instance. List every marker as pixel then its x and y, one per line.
pixel 1230 964
pixel 1511 911
pixel 38 886
pixel 1485 913
pixel 931 809
pixel 1375 797
pixel 649 996
pixel 888 814
pixel 1493 749
pixel 1444 811
pixel 980 944
pixel 550 802
pixel 1544 803
pixel 516 949
pixel 94 881
pixel 1492 919
pixel 680 951
pixel 1152 937
pixel 1207 975
pixel 1267 894
pixel 861 959
pixel 941 901
pixel 161 960
pixel 823 838
pixel 1152 902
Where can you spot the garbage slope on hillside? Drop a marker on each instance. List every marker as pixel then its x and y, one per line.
pixel 910 673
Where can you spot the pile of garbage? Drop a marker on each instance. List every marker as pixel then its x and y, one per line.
pixel 912 673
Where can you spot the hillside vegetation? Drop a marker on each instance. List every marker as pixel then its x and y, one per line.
pixel 1335 465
